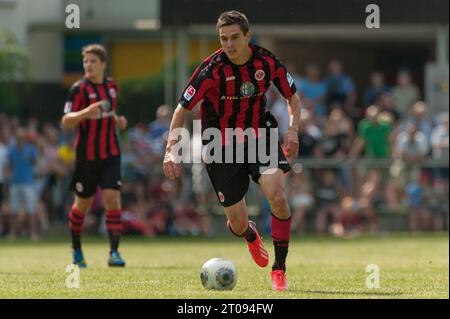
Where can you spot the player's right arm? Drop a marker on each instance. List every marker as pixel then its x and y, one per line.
pixel 171 167
pixel 74 113
pixel 201 81
pixel 73 119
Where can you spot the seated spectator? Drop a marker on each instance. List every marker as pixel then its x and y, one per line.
pixel 405 93
pixel 348 221
pixel 371 199
pixel 376 88
pixel 300 200
pixel 420 216
pixel 327 196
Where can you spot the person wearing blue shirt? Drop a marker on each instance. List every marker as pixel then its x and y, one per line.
pixel 341 90
pixel 22 158
pixel 376 89
pixel 314 91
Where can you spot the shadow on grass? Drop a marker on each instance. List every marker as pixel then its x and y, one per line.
pixel 364 293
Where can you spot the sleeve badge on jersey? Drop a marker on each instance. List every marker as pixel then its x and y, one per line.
pixel 289 78
pixel 68 107
pixel 189 93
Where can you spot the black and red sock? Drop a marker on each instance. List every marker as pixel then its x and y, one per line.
pixel 249 234
pixel 76 220
pixel 281 233
pixel 114 227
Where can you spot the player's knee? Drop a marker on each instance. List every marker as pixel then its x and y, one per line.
pixel 278 200
pixel 111 201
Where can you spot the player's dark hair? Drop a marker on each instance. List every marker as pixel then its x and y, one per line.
pixel 97 49
pixel 231 18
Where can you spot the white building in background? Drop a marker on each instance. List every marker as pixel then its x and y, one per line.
pixel 40 26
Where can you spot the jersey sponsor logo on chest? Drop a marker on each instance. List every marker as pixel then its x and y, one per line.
pixel 92 96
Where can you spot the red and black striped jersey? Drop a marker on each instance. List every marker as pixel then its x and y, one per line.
pixel 96 139
pixel 234 95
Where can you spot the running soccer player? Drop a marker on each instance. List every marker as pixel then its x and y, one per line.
pixel 91 108
pixel 232 83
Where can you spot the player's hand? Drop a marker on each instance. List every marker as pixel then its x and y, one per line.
pixel 171 169
pixel 121 122
pixel 291 143
pixel 94 110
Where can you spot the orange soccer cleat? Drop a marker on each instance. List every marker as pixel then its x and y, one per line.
pixel 279 281
pixel 259 253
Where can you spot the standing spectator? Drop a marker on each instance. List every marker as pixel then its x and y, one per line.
pixel 386 104
pixel 439 144
pixel 419 116
pixel 376 88
pixel 411 146
pixel 22 159
pixel 338 135
pixel 279 111
pixel 341 89
pixel 3 163
pixel 373 136
pixel 314 92
pixel 309 136
pixel 158 128
pixel 405 93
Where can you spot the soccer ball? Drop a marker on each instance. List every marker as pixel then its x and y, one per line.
pixel 218 274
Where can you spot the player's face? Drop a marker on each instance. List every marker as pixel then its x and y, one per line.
pixel 94 68
pixel 233 41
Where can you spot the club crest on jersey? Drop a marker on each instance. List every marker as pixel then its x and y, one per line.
pixel 189 93
pixel 112 92
pixel 92 96
pixel 259 75
pixel 221 197
pixel 289 78
pixel 247 89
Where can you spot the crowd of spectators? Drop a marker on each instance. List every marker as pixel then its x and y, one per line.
pixel 337 191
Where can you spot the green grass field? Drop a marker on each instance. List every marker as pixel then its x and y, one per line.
pixel 410 267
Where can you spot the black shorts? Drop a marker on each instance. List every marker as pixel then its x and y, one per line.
pixel 231 180
pixel 89 175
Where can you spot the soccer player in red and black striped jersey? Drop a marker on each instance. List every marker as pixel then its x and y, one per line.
pixel 231 83
pixel 91 108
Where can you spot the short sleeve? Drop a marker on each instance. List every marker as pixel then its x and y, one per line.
pixel 283 80
pixel 201 81
pixel 73 99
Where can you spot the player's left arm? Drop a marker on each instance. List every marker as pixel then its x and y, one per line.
pixel 291 143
